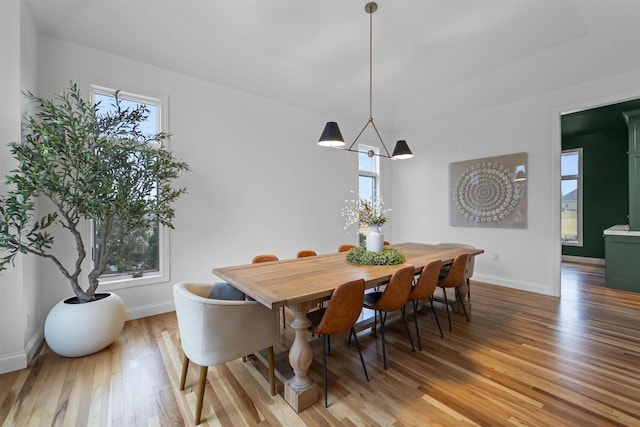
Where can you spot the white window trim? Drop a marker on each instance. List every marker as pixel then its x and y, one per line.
pixel 163 273
pixel 577 177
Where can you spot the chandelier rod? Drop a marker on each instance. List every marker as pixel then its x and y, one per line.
pixel 370 8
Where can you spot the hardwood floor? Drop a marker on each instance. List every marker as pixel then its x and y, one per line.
pixel 524 359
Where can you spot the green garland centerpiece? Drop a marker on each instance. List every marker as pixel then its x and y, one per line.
pixel 388 256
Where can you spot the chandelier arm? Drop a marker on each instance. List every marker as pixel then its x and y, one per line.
pixel 357 137
pixel 380 138
pixel 374 154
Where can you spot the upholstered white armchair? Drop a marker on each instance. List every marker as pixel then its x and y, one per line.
pixel 217 325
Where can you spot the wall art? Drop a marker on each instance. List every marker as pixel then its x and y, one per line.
pixel 489 192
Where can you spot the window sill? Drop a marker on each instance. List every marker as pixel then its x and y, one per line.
pixel 131 282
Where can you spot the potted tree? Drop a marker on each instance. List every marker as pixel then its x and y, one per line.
pixel 86 166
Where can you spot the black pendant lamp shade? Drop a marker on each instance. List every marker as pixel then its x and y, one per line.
pixel 401 151
pixel 331 136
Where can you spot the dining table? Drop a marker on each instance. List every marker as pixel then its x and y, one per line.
pixel 301 283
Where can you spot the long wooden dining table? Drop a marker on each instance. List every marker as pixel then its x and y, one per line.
pixel 302 282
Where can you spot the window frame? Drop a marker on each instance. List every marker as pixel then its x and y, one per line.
pixel 163 273
pixel 579 210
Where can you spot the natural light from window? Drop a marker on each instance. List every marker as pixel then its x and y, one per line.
pixel 571 206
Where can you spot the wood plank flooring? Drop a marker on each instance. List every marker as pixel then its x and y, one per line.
pixel 524 359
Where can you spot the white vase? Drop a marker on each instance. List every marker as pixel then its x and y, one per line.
pixel 75 330
pixel 375 239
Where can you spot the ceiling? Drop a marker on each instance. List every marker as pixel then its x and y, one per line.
pixel 314 54
pixel 600 119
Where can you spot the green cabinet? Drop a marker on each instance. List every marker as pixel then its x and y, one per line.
pixel 633 122
pixel 622 250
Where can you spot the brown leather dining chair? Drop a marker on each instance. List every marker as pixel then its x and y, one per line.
pixel 453 278
pixel 345 248
pixel 394 297
pixel 264 258
pixel 339 315
pixel 423 290
pixel 468 272
pixel 305 253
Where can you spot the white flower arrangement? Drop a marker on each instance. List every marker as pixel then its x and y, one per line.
pixel 364 212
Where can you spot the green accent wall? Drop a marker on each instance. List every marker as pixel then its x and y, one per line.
pixel 605 171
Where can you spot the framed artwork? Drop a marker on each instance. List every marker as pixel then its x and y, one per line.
pixel 489 192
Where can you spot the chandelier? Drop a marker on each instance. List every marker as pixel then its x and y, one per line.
pixel 331 135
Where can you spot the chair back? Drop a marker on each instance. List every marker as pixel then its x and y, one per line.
pixel 344 308
pixel 468 272
pixel 456 272
pixel 427 282
pixel 397 292
pixel 264 258
pixel 345 248
pixel 214 331
pixel 305 253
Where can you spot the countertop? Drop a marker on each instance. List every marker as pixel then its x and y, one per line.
pixel 620 230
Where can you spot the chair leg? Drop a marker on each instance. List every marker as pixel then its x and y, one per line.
pixel 351 332
pixel 324 368
pixel 375 321
pixel 185 366
pixel 272 374
pixel 406 326
pixel 446 304
pixel 435 316
pixel 383 318
pixel 200 397
pixel 462 303
pixel 468 288
pixel 415 320
pixel 364 368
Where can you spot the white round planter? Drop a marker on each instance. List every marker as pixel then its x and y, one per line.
pixel 75 330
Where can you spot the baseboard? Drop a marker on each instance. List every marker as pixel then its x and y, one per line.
pixel 13 362
pixel 34 345
pixel 583 260
pixel 529 287
pixel 20 360
pixel 150 310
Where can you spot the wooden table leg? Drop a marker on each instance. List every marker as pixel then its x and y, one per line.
pixel 301 391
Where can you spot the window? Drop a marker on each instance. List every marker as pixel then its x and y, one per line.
pixel 140 257
pixel 571 206
pixel 368 175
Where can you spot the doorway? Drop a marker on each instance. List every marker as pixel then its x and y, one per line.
pixel 600 136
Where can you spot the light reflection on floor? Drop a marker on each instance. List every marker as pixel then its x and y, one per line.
pixel 576 279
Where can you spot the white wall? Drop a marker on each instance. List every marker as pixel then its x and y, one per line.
pixel 258 184
pixel 20 324
pixel 528 259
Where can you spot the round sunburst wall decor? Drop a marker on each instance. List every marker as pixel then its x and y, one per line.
pixel 485 192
